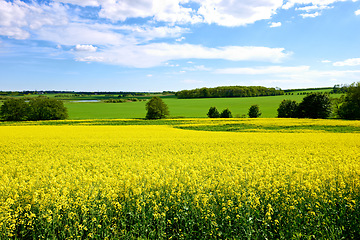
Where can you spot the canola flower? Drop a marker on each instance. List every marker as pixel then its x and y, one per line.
pixel 158 182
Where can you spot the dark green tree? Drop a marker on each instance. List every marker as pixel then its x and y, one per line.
pixel 213 113
pixel 156 109
pixel 43 108
pixel 315 105
pixel 350 109
pixel 287 109
pixel 226 113
pixel 254 111
pixel 14 109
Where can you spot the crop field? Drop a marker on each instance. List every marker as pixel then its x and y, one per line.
pixel 137 179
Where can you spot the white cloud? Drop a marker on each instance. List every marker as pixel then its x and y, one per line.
pixel 237 13
pixel 85 33
pixel 275 24
pixel 312 8
pixel 357 12
pixel 348 62
pixel 262 70
pixel 83 3
pixel 149 75
pixel 294 76
pixel 180 39
pixel 310 15
pixel 156 54
pixel 18 19
pixel 326 61
pixel 221 12
pixel 291 3
pixel 197 68
pixel 85 48
pixel 90 59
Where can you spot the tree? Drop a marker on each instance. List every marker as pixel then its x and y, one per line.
pixel 43 108
pixel 254 111
pixel 213 113
pixel 156 109
pixel 350 109
pixel 226 113
pixel 287 109
pixel 14 109
pixel 315 105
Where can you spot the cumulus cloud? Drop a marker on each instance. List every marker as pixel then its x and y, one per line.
pixel 156 54
pixel 275 24
pixel 310 15
pixel 85 48
pixel 348 62
pixel 18 19
pixel 237 13
pixel 357 12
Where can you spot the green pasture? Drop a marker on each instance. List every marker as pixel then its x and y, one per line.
pixel 189 108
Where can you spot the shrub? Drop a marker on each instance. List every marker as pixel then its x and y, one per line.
pixel 226 113
pixel 287 109
pixel 254 111
pixel 213 113
pixel 156 109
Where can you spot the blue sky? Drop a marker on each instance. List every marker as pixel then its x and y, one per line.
pixel 154 45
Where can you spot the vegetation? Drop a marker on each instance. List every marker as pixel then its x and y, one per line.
pixel 156 109
pixel 213 113
pixel 14 110
pixel 231 91
pixel 41 108
pixel 350 109
pixel 123 100
pixel 226 113
pixel 316 105
pixel 288 109
pixel 157 182
pixel 254 111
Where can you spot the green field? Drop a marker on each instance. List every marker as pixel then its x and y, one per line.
pixel 179 107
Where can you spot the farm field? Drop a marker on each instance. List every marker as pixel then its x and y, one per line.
pixel 194 108
pixel 137 179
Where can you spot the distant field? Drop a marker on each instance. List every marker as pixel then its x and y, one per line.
pixel 179 107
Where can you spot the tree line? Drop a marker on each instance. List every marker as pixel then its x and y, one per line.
pixel 229 91
pixel 39 108
pixel 320 105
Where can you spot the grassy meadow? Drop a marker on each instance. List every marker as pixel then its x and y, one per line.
pixel 165 179
pixel 193 108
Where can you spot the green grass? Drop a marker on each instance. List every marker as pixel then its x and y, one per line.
pixel 189 108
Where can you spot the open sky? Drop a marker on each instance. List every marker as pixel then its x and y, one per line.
pixel 157 45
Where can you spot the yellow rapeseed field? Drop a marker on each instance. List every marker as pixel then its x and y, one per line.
pixel 159 182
